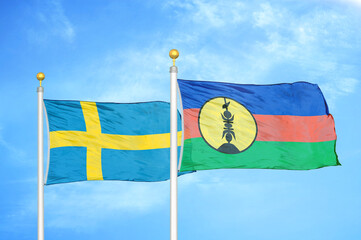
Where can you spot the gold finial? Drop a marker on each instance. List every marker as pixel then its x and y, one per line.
pixel 173 54
pixel 40 76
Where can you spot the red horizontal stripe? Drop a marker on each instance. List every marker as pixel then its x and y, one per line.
pixel 190 117
pixel 278 128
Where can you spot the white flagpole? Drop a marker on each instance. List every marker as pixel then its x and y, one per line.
pixel 173 148
pixel 40 76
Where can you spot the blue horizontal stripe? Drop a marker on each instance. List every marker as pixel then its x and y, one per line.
pixel 298 99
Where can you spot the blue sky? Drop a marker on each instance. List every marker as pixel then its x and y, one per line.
pixel 118 51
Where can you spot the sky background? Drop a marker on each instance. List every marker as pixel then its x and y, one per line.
pixel 118 51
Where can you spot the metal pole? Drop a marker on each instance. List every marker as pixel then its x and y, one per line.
pixel 40 90
pixel 173 148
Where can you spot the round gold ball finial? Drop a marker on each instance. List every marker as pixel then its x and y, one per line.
pixel 40 76
pixel 173 54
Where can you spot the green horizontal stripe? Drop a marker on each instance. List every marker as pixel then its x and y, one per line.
pixel 198 155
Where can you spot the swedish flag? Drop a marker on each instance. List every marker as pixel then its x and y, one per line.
pixel 108 141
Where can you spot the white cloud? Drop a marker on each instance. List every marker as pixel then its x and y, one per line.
pixel 84 205
pixel 302 40
pixel 211 13
pixel 267 16
pixel 353 2
pixel 314 44
pixel 53 22
pixel 13 151
pixel 309 41
pixel 338 87
pixel 230 187
pixel 134 75
pixel 348 85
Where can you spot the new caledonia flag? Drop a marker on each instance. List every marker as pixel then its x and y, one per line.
pixel 280 126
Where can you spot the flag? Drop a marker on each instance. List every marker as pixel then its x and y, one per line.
pixel 279 126
pixel 108 141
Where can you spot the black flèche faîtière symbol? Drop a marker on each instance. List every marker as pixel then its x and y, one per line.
pixel 228 119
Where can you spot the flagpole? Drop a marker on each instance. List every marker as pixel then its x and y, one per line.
pixel 173 148
pixel 40 76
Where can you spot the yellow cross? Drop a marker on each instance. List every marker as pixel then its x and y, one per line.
pixel 94 140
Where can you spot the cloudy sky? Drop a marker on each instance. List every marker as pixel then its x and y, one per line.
pixel 118 51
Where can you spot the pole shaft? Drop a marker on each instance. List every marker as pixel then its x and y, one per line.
pixel 40 91
pixel 173 155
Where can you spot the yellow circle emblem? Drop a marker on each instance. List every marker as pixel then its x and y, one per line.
pixel 226 125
